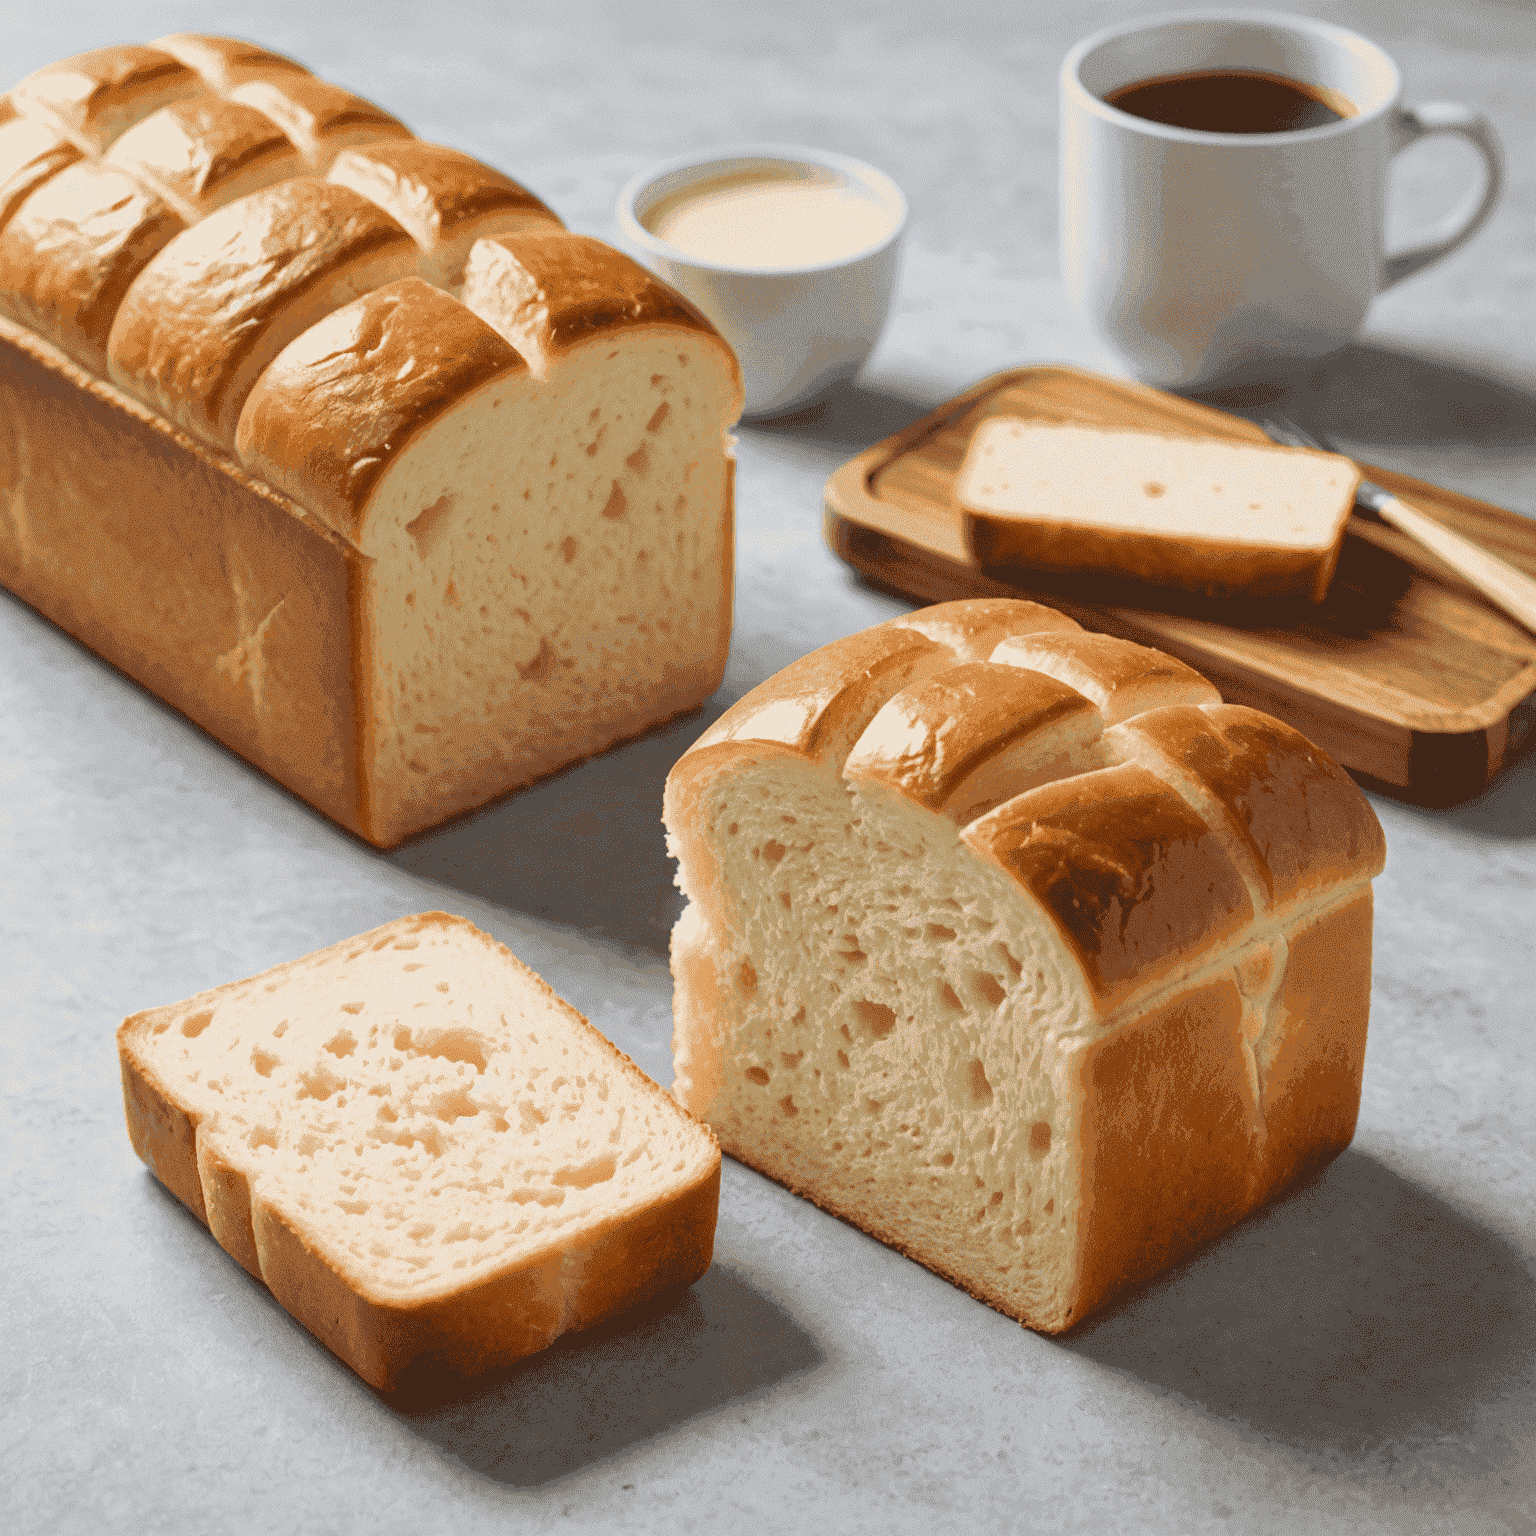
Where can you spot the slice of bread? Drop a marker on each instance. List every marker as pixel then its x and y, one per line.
pixel 432 1161
pixel 1213 517
pixel 1019 949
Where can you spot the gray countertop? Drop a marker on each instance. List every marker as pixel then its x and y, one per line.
pixel 1361 1357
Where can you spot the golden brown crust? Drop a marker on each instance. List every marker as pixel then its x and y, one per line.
pixel 820 704
pixel 93 97
pixel 30 152
pixel 204 318
pixel 1313 1066
pixel 342 402
pixel 1297 812
pixel 162 1133
pixel 973 627
pixel 224 62
pixel 321 119
pixel 204 152
pixel 72 250
pixel 547 291
pixel 1121 677
pixel 1169 1141
pixel 931 737
pixel 202 584
pixel 444 199
pixel 1135 880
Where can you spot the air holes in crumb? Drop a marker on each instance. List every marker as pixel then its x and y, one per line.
pixel 541 665
pixel 426 528
pixel 1039 1140
pixel 585 1175
pixel 616 505
pixel 658 416
pixel 875 1017
pixel 945 1159
pixel 568 548
pixel 639 461
pixel 842 1059
pixel 353 1007
pixel 1050 1205
pixel 787 1104
pixel 341 1043
pixel 950 998
pixel 773 851
pixel 1013 965
pixel 1152 488
pixel 976 1081
pixel 997 1197
pixel 784 900
pixel 195 1023
pixel 281 1030
pixel 530 1117
pixel 264 1061
pixel 986 985
pixel 747 979
pixel 939 931
pixel 320 1083
pixel 757 1075
pixel 262 1136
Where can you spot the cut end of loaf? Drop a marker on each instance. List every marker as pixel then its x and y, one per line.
pixel 1036 1001
pixel 411 1131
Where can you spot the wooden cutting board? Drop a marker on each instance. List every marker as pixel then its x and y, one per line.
pixel 1403 673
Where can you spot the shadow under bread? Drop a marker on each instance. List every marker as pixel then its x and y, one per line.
pixel 1358 1314
pixel 592 1395
pixel 584 847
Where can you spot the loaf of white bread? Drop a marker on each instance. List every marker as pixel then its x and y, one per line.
pixel 433 1163
pixel 1015 946
pixel 340 442
pixel 1224 519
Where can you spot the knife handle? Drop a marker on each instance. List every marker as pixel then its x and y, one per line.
pixel 1504 586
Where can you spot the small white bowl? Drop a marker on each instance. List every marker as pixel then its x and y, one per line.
pixel 797 330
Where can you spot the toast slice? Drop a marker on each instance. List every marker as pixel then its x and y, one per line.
pixel 432 1161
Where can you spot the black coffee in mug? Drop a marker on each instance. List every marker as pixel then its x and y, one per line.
pixel 1232 101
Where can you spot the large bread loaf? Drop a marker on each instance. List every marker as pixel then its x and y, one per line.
pixel 340 442
pixel 1017 947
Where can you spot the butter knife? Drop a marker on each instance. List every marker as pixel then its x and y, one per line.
pixel 1501 583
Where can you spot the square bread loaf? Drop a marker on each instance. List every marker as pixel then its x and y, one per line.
pixel 1016 947
pixel 433 1163
pixel 340 443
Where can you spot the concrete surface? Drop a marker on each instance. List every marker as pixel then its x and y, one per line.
pixel 1360 1358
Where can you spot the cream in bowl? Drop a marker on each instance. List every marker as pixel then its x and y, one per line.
pixel 792 253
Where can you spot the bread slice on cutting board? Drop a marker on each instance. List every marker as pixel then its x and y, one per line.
pixel 430 1160
pixel 1220 518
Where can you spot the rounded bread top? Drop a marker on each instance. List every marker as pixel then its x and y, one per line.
pixel 444 198
pixel 93 97
pixel 547 291
pixel 225 62
pixel 342 401
pixel 1149 844
pixel 72 250
pixel 204 152
pixel 30 152
pixel 321 119
pixel 224 298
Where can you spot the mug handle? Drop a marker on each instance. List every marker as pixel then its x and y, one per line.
pixel 1409 125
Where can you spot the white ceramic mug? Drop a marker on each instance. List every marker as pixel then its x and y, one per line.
pixel 1209 258
pixel 796 330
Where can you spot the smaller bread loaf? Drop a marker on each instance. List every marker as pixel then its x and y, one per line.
pixel 1219 518
pixel 430 1160
pixel 1018 948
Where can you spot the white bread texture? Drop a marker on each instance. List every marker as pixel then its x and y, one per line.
pixel 1016 947
pixel 434 1164
pixel 402 491
pixel 1219 518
